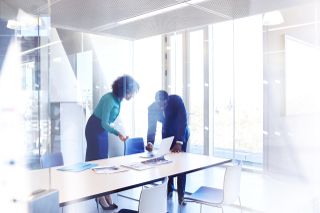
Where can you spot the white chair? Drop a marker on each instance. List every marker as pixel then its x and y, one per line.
pixel 152 199
pixel 220 197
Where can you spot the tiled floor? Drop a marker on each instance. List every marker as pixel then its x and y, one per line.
pixel 260 193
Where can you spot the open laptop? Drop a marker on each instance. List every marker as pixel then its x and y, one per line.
pixel 163 149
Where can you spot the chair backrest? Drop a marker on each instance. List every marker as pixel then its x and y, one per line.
pixel 51 160
pixel 231 185
pixel 133 146
pixel 154 199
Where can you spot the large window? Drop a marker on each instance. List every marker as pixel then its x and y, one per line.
pixel 228 104
pixel 237 89
pixel 222 88
pixel 176 56
pixel 196 89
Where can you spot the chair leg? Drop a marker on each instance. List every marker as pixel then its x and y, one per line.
pixel 240 204
pixel 200 208
pixel 97 205
pixel 222 209
pixel 180 209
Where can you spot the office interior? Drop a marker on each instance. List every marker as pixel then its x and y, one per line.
pixel 247 71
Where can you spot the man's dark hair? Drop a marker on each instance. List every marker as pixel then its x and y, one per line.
pixel 161 95
pixel 124 85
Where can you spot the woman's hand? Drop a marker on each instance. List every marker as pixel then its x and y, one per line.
pixel 122 137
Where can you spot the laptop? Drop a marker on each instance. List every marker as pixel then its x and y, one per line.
pixel 163 149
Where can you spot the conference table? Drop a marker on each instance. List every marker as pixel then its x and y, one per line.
pixel 79 186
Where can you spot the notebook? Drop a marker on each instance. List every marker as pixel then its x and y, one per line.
pixel 163 149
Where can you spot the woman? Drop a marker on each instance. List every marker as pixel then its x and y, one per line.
pixel 98 125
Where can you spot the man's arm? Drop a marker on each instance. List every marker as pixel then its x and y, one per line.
pixel 182 121
pixel 152 123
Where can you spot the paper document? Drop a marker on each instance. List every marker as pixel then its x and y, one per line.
pixel 78 167
pixel 108 169
pixel 147 164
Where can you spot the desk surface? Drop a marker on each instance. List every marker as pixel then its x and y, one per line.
pixel 77 186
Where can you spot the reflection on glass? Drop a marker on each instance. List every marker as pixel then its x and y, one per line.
pixel 302 68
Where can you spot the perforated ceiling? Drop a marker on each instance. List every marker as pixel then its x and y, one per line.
pixel 100 16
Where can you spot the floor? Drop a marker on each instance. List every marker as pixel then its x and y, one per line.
pixel 260 193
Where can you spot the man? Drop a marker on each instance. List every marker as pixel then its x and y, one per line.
pixel 171 112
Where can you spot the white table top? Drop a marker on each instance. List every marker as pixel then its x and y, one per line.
pixel 77 186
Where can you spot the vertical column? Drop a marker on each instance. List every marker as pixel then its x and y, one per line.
pixel 206 91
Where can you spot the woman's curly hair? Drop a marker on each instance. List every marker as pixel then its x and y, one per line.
pixel 124 85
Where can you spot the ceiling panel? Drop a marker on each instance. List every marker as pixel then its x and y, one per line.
pixel 231 8
pixel 188 17
pixel 85 14
pixel 30 6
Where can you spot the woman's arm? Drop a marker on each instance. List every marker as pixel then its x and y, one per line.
pixel 106 110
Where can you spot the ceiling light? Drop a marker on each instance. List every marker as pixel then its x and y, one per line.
pixel 181 4
pixel 272 18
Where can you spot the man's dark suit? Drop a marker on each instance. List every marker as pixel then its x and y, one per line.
pixel 174 123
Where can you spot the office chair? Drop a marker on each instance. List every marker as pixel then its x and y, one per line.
pixel 133 146
pixel 152 199
pixel 220 197
pixel 51 159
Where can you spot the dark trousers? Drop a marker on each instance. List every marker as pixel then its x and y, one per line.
pixel 181 179
pixel 181 185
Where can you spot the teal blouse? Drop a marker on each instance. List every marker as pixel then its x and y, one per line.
pixel 107 111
